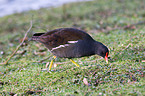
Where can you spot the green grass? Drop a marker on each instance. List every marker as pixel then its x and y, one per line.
pixel 124 75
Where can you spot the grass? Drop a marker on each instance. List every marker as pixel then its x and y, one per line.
pixel 124 75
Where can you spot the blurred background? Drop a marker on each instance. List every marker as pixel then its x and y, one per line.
pixel 13 6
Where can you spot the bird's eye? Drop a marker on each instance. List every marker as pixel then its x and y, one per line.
pixel 103 52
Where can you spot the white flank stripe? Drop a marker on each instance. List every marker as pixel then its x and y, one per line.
pixel 60 46
pixel 72 41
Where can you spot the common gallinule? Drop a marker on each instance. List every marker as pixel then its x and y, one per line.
pixel 71 43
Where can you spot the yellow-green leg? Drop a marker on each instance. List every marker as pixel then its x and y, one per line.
pixel 75 63
pixel 51 63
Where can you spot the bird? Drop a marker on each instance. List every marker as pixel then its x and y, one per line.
pixel 70 43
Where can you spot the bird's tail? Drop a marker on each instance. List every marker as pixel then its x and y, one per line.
pixel 35 37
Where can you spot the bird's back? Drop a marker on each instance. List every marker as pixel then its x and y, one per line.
pixel 67 42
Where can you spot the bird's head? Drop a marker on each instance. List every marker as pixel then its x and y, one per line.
pixel 102 51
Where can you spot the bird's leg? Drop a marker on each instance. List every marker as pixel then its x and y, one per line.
pixel 75 63
pixel 51 63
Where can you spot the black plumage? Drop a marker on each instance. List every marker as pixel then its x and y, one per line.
pixel 71 43
pixel 75 43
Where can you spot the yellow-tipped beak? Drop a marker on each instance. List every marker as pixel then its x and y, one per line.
pixel 106 59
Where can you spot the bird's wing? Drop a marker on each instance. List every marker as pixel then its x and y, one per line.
pixel 63 36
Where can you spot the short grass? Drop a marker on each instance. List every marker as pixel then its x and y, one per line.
pixel 124 75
